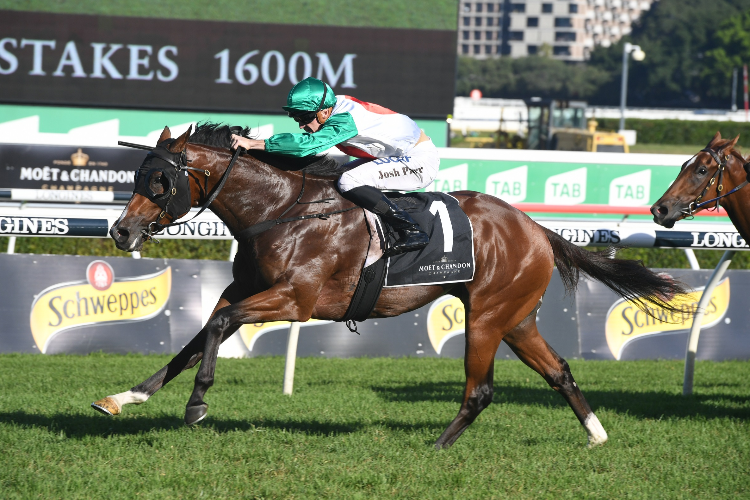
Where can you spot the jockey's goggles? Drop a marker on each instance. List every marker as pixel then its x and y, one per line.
pixel 303 118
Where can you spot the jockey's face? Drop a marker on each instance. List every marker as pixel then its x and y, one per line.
pixel 313 125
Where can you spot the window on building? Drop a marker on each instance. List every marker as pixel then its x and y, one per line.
pixel 477 35
pixel 532 22
pixel 516 36
pixel 565 36
pixel 479 7
pixel 490 21
pixel 465 35
pixel 477 21
pixel 490 7
pixel 532 49
pixel 573 8
pixel 546 8
pixel 467 21
pixel 518 7
pixel 467 7
pixel 488 49
pixel 477 48
pixel 464 49
pixel 563 22
pixel 561 50
pixel 488 35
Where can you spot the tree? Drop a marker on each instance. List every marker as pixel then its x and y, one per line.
pixel 677 36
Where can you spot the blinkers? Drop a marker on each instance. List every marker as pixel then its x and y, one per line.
pixel 163 179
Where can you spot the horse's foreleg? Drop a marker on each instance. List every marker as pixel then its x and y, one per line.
pixel 533 350
pixel 276 304
pixel 187 358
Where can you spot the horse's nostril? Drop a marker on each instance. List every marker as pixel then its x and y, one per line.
pixel 120 234
pixel 663 211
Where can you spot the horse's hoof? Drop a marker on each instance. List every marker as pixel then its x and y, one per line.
pixel 194 414
pixel 108 406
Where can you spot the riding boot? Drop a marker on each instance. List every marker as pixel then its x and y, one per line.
pixel 410 235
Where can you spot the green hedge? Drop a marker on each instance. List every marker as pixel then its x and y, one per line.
pixel 680 131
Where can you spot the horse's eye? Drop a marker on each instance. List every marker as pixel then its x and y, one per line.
pixel 702 170
pixel 158 183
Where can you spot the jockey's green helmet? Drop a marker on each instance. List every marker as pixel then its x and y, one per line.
pixel 310 94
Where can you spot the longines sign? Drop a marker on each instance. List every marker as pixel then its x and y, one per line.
pixel 159 63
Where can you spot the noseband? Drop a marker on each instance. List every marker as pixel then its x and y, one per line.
pixel 697 204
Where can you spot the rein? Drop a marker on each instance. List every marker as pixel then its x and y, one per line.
pixel 181 164
pixel 697 204
pixel 264 226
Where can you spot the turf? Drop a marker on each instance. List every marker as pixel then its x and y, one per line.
pixel 364 428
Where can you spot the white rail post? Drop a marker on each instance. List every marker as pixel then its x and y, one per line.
pixel 291 358
pixel 11 244
pixel 692 259
pixel 695 329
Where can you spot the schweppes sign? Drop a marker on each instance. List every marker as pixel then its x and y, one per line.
pixel 445 319
pixel 99 299
pixel 626 323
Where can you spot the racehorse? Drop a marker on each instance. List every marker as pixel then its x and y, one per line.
pixel 306 269
pixel 718 173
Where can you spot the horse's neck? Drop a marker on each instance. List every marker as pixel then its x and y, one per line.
pixel 257 192
pixel 737 206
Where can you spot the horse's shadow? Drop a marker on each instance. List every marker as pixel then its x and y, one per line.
pixel 639 404
pixel 77 426
pixel 642 405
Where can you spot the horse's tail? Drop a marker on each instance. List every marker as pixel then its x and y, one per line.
pixel 629 279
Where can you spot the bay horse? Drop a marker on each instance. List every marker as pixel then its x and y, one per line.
pixel 309 269
pixel 713 177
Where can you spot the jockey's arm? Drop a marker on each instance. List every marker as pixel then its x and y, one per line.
pixel 336 130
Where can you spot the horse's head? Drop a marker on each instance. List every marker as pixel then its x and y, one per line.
pixel 162 193
pixel 712 172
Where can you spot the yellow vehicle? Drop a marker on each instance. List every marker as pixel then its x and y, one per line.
pixel 562 126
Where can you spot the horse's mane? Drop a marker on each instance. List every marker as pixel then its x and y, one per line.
pixel 219 135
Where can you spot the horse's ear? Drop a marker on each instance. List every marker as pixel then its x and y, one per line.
pixel 716 139
pixel 180 143
pixel 728 145
pixel 165 134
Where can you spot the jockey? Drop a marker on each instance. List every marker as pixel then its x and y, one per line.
pixel 393 152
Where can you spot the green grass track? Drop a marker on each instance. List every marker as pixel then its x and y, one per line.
pixel 364 428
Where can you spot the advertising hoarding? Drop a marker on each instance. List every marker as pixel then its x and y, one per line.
pixel 74 304
pixel 107 61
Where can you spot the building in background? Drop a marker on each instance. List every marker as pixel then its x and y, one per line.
pixel 571 29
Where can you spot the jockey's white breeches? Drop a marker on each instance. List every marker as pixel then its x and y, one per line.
pixel 410 172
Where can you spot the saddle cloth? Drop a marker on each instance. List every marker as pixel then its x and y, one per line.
pixel 448 257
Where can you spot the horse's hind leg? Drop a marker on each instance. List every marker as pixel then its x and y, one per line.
pixel 533 350
pixel 479 365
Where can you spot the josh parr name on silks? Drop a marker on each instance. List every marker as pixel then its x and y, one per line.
pixel 404 171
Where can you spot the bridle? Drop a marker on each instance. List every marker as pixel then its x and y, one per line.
pixel 718 176
pixel 176 200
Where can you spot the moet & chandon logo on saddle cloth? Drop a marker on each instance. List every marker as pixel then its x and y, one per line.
pixel 99 299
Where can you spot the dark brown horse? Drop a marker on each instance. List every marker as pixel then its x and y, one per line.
pixel 717 171
pixel 309 269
